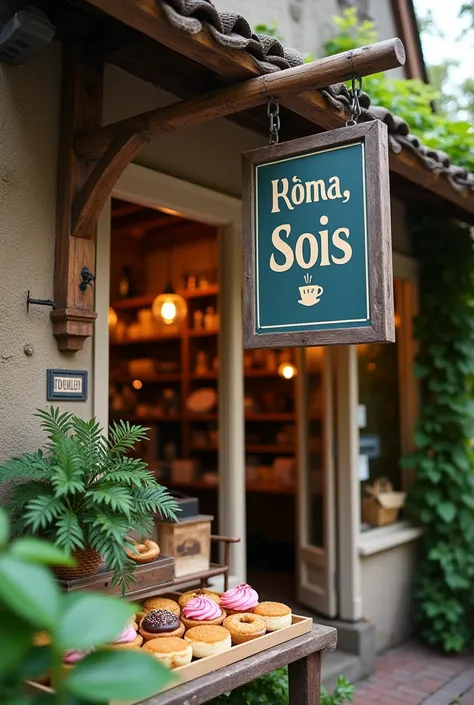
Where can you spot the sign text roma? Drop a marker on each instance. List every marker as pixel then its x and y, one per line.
pixel 317 244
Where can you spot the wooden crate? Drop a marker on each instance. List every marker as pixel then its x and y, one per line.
pixel 188 542
pixel 157 574
pixel 201 667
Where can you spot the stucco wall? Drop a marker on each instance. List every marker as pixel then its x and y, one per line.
pixel 29 118
pixel 307 24
pixel 387 592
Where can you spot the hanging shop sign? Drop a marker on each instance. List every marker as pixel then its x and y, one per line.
pixel 70 385
pixel 317 240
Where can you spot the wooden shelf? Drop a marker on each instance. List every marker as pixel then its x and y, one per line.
pixel 290 416
pixel 200 417
pixel 133 418
pixel 146 301
pixel 202 333
pixel 141 341
pixel 263 488
pixel 262 373
pixel 254 448
pixel 277 449
pixel 155 379
pixel 207 376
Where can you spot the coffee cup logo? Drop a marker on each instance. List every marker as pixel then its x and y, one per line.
pixel 310 293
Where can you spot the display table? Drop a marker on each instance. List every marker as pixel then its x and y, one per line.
pixel 303 655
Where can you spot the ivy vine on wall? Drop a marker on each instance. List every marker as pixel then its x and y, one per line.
pixel 442 496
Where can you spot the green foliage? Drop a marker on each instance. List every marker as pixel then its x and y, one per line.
pixel 442 497
pixel 85 490
pixel 410 99
pixel 30 600
pixel 272 689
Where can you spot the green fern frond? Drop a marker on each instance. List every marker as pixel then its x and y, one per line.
pixel 114 527
pixel 91 444
pixel 156 499
pixel 67 467
pixel 129 471
pixel 69 532
pixel 31 466
pixel 123 436
pixel 113 496
pixel 22 494
pixel 53 422
pixel 142 523
pixel 124 576
pixel 42 511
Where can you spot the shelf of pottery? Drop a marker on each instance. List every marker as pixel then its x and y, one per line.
pixel 166 377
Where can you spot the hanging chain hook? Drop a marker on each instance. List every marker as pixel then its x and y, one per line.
pixel 273 112
pixel 355 92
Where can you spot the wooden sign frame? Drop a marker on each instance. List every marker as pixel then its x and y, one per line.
pixel 374 136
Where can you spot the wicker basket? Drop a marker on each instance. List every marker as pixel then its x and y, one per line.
pixel 87 563
pixel 383 505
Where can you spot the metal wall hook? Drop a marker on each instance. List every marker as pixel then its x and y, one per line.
pixel 38 302
pixel 87 279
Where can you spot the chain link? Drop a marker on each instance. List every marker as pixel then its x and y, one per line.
pixel 273 112
pixel 355 92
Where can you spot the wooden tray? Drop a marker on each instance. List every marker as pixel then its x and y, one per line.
pixel 201 667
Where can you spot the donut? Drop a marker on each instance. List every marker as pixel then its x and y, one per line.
pixel 172 652
pixel 202 610
pixel 244 627
pixel 160 623
pixel 148 551
pixel 276 615
pixel 208 640
pixel 191 594
pixel 161 603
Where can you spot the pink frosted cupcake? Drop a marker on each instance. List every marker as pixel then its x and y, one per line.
pixel 242 598
pixel 202 610
pixel 128 639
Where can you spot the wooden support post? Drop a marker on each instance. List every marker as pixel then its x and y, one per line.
pixel 81 109
pixel 304 680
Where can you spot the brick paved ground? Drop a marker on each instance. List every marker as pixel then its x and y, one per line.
pixel 412 675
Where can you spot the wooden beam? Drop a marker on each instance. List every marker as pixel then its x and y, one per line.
pixel 243 96
pixel 81 109
pixel 148 18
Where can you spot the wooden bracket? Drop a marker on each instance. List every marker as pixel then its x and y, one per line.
pixel 92 158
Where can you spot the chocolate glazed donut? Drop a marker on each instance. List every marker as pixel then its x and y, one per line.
pixel 159 623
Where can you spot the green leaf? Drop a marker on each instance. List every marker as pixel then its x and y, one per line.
pixel 90 620
pixel 30 591
pixel 38 551
pixel 69 533
pixel 447 511
pixel 15 640
pixel 38 661
pixel 4 528
pixel 106 675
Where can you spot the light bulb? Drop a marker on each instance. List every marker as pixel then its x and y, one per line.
pixel 287 370
pixel 168 312
pixel 112 318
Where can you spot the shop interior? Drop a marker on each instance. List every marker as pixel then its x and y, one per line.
pixel 164 374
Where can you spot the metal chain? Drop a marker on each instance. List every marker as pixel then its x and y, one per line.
pixel 354 104
pixel 273 112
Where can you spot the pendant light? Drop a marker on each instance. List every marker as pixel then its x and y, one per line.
pixel 169 307
pixel 287 370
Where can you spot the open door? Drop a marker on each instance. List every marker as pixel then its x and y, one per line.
pixel 316 492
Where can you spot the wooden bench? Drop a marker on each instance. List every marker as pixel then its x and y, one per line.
pixel 303 655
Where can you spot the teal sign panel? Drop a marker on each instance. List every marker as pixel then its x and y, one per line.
pixel 311 242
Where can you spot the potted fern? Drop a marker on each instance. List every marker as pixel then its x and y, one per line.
pixel 86 494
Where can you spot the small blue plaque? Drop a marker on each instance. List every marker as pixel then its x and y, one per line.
pixel 66 385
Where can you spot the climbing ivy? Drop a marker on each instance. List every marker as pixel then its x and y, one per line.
pixel 442 496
